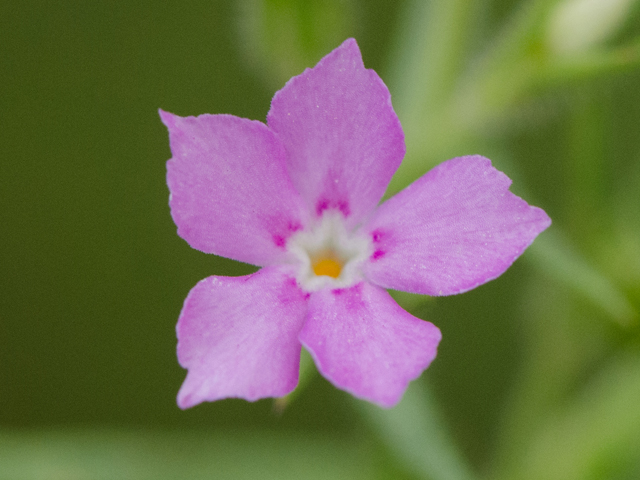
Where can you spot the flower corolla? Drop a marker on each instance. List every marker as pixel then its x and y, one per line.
pixel 299 197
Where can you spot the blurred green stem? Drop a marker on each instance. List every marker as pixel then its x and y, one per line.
pixel 557 259
pixel 428 58
pixel 443 100
pixel 559 343
pixel 306 373
pixel 585 200
pixel 416 435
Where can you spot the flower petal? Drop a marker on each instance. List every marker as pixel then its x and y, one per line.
pixel 238 337
pixel 343 138
pixel 230 192
pixel 453 229
pixel 364 343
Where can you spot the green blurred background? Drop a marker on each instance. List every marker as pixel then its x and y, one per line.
pixel 538 374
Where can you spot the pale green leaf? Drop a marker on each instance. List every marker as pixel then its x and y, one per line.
pixel 98 454
pixel 416 436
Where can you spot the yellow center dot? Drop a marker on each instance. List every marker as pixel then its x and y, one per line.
pixel 327 266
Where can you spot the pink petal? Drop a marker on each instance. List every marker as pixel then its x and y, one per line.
pixel 230 192
pixel 238 337
pixel 453 229
pixel 364 343
pixel 342 135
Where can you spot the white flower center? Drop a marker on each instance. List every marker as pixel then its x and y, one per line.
pixel 328 255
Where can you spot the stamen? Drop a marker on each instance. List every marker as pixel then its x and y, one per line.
pixel 327 255
pixel 327 266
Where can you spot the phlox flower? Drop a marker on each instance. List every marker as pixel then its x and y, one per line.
pixel 298 197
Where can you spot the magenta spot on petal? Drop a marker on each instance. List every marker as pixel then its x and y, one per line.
pixel 291 291
pixel 344 208
pixel 377 254
pixel 354 290
pixel 279 240
pixel 321 207
pixel 325 204
pixel 294 227
pixel 376 235
pixel 351 297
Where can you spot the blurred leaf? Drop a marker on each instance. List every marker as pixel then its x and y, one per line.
pixel 562 339
pixel 129 455
pixel 622 256
pixel 447 90
pixel 578 25
pixel 497 78
pixel 598 436
pixel 416 436
pixel 490 96
pixel 556 258
pixel 591 63
pixel 430 51
pixel 283 37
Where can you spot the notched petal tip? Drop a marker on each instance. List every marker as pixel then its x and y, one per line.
pixel 348 47
pixel 237 337
pixel 363 342
pixel 350 43
pixel 455 228
pixel 336 121
pixel 187 396
pixel 230 191
pixel 169 119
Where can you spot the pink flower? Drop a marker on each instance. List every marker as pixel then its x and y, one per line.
pixel 298 197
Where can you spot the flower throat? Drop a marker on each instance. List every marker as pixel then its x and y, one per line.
pixel 327 264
